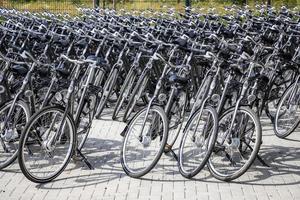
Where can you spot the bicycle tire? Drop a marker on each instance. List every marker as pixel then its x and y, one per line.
pixel 213 135
pixel 163 139
pixel 276 123
pixel 25 135
pixel 254 151
pixel 25 107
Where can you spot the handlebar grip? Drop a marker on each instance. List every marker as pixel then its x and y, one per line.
pixel 71 60
pixel 25 54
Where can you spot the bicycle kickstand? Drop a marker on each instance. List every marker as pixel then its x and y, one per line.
pixel 84 159
pixel 262 161
pixel 258 157
pixel 168 149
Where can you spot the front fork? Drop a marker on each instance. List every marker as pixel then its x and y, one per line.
pixel 158 86
pixel 69 96
pixel 156 92
pixel 45 101
pixel 203 103
pixel 244 89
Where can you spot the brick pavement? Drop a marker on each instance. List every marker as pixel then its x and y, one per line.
pixel 108 181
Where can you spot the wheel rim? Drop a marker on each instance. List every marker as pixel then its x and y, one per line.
pixel 288 112
pixel 41 162
pixel 195 149
pixel 16 123
pixel 281 83
pixel 232 155
pixel 139 153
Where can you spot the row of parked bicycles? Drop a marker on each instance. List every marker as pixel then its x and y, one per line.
pixel 204 80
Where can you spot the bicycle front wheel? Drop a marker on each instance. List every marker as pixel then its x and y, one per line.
pixel 235 149
pixel 276 90
pixel 197 141
pixel 144 141
pixel 44 151
pixel 287 116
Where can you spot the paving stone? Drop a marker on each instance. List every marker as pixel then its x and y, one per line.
pixel 108 181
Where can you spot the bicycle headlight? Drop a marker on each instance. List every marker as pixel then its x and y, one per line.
pixel 162 97
pixel 251 98
pixel 28 93
pixel 58 96
pixel 2 89
pixel 215 98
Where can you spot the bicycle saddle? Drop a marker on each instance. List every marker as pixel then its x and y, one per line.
pixel 228 33
pixel 19 69
pixel 81 43
pixel 181 42
pixel 60 41
pixel 39 37
pixel 174 78
pixel 236 69
pixel 99 61
pixel 43 71
pixel 62 71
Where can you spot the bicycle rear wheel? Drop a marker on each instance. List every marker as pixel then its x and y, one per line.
pixel 144 143
pixel 12 131
pixel 44 152
pixel 235 151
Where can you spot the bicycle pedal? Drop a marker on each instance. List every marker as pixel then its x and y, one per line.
pixel 84 159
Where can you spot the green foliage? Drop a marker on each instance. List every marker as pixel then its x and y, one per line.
pixel 205 5
pixel 76 1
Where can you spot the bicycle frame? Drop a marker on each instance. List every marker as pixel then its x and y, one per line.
pixel 70 95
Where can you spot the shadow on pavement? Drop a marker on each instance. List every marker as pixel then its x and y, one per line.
pixel 106 166
pixel 104 155
pixel 282 161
